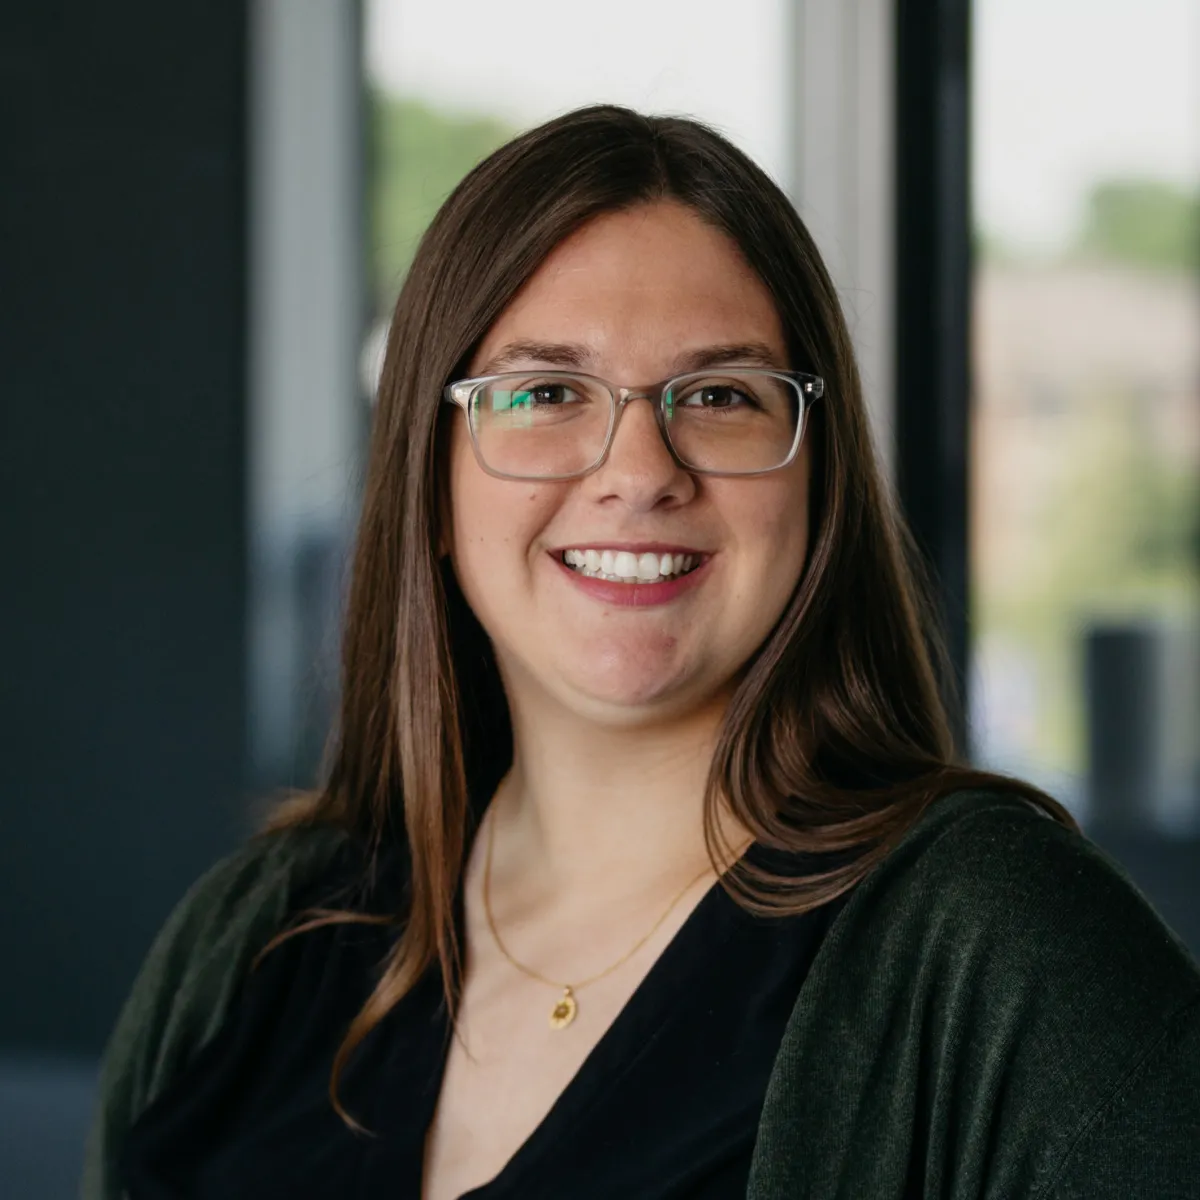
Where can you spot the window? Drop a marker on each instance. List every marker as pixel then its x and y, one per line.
pixel 1086 421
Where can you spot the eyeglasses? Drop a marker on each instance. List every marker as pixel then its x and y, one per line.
pixel 561 424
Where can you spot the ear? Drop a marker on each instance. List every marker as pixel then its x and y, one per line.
pixel 444 521
pixel 443 545
pixel 443 515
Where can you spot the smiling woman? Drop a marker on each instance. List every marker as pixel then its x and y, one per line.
pixel 654 289
pixel 644 867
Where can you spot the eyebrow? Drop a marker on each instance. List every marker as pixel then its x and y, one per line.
pixel 578 357
pixel 556 354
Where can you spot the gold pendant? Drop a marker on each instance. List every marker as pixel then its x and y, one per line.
pixel 564 1011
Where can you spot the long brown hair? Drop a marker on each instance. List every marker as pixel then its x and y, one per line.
pixel 837 737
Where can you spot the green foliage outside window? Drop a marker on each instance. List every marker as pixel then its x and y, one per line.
pixel 417 156
pixel 1143 223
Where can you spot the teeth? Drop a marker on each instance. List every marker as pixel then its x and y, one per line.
pixel 620 566
pixel 625 565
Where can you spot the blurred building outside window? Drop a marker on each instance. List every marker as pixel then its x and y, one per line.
pixel 1086 419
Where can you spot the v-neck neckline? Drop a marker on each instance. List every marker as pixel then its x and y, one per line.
pixel 630 1035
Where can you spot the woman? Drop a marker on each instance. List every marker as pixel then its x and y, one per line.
pixel 643 867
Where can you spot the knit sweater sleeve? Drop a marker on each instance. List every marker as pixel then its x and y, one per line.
pixel 997 1012
pixel 188 981
pixel 1143 1139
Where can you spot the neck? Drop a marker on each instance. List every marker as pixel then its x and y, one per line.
pixel 602 810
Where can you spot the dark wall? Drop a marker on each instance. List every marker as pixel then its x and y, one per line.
pixel 122 448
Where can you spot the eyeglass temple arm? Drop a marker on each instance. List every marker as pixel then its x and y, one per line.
pixel 459 393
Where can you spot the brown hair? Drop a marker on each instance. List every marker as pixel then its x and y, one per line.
pixel 837 737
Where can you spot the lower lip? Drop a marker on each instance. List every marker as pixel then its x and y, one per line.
pixel 635 595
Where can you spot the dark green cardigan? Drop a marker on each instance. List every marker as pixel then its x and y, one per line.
pixel 996 1012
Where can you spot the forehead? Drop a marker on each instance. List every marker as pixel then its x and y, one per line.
pixel 638 286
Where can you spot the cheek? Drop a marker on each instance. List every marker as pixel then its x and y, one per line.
pixel 793 514
pixel 770 523
pixel 789 534
pixel 479 506
pixel 494 526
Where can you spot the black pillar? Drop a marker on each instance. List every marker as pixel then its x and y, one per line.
pixel 122 401
pixel 933 294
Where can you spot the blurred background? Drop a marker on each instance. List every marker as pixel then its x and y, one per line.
pixel 208 210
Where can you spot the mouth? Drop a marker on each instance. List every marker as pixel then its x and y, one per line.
pixel 630 566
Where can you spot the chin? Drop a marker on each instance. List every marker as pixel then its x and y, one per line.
pixel 629 691
pixel 630 711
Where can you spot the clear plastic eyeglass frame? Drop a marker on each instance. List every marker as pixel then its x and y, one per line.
pixel 809 389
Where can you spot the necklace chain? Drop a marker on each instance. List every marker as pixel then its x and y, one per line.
pixel 564 1012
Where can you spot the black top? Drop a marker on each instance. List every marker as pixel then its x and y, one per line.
pixel 666 1104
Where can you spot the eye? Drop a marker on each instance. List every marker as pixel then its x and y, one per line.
pixel 716 396
pixel 543 395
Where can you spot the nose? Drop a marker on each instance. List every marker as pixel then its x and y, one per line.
pixel 639 469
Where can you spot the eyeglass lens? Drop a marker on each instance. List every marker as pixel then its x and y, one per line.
pixel 734 422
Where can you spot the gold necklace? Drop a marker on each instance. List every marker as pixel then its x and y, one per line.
pixel 563 1012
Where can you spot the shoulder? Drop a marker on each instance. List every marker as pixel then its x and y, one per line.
pixel 255 883
pixel 1008 981
pixel 992 869
pixel 193 969
pixel 227 916
pixel 234 908
pixel 987 885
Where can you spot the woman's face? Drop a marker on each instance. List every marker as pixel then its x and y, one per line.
pixel 635 294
